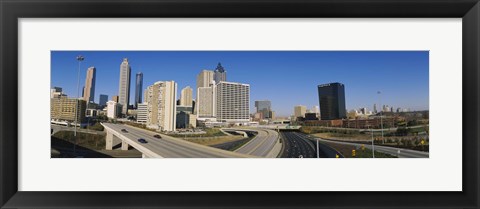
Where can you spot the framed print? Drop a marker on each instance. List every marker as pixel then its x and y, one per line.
pixel 201 104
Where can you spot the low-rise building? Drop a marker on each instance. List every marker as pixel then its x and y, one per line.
pixel 63 108
pixel 114 110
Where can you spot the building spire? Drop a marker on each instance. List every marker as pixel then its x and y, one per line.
pixel 220 68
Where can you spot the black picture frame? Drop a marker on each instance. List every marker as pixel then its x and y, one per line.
pixel 11 10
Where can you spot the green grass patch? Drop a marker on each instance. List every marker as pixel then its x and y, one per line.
pixel 91 141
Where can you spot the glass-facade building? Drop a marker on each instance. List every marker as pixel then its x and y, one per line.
pixel 331 97
pixel 138 88
pixel 264 107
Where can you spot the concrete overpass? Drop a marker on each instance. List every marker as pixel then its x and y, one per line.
pixel 57 128
pixel 279 127
pixel 166 147
pixel 265 144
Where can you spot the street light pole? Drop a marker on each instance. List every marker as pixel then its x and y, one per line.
pixel 373 145
pixel 381 115
pixel 80 58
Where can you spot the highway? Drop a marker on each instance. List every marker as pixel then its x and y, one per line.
pixel 169 147
pixel 404 153
pixel 296 145
pixel 261 145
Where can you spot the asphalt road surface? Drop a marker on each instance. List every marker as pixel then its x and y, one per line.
pixel 297 145
pixel 261 145
pixel 404 153
pixel 170 147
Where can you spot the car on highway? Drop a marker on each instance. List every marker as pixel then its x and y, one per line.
pixel 124 131
pixel 157 136
pixel 143 141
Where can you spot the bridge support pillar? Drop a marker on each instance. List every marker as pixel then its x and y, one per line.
pixel 109 141
pixel 124 145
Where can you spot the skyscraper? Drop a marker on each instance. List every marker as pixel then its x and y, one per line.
pixel 161 100
pixel 233 102
pixel 331 97
pixel 138 89
pixel 206 105
pixel 204 79
pixel 264 107
pixel 103 100
pixel 299 111
pixel 186 97
pixel 124 85
pixel 89 89
pixel 220 74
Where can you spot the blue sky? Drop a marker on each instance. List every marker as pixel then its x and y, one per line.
pixel 286 78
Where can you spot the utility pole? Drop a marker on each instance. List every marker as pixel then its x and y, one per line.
pixel 381 115
pixel 318 152
pixel 373 145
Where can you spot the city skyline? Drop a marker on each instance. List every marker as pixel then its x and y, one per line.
pixel 402 77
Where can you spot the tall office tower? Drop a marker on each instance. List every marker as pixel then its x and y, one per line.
pixel 299 111
pixel 161 100
pixel 186 97
pixel 124 85
pixel 233 102
pixel 103 100
pixel 331 97
pixel 206 105
pixel 115 98
pixel 138 89
pixel 89 89
pixel 63 108
pixel 374 108
pixel 264 107
pixel 205 78
pixel 220 74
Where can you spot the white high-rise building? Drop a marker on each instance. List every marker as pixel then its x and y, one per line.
pixel 186 97
pixel 124 85
pixel 233 102
pixel 206 105
pixel 161 99
pixel 114 109
pixel 142 113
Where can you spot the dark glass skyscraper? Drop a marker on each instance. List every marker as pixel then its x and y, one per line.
pixel 331 97
pixel 220 74
pixel 138 89
pixel 103 100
